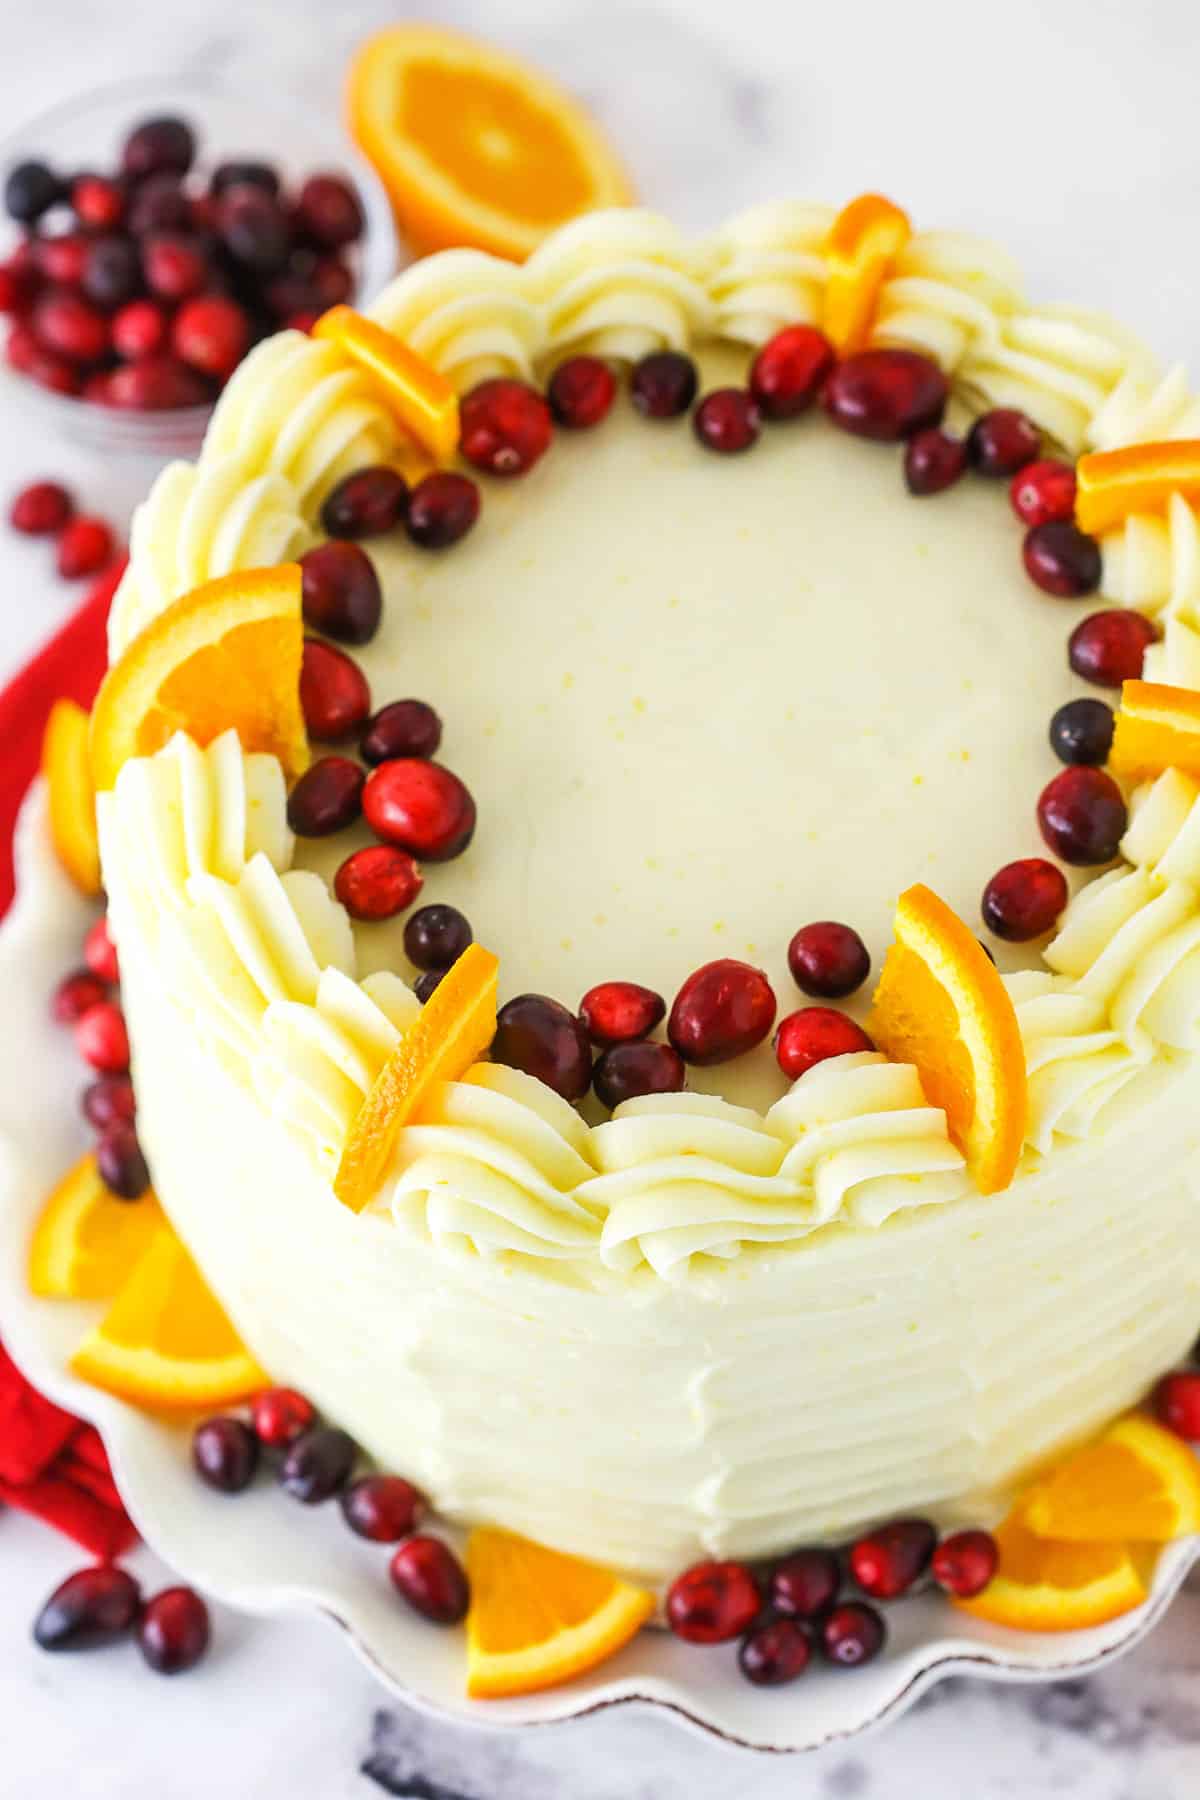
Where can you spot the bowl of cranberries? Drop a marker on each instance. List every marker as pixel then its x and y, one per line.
pixel 153 233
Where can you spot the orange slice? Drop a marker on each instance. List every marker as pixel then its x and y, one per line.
pixel 1111 484
pixel 863 243
pixel 941 1004
pixel 456 1025
pixel 1157 728
pixel 164 1341
pixel 473 146
pixel 226 655
pixel 1138 1481
pixel 68 774
pixel 423 401
pixel 539 1618
pixel 1045 1584
pixel 86 1240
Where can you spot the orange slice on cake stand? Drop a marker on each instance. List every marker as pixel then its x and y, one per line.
pixel 68 775
pixel 1157 727
pixel 86 1240
pixel 1050 1584
pixel 1139 1482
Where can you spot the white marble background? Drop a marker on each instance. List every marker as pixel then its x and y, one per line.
pixel 1068 130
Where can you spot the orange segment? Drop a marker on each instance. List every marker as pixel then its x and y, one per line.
pixel 473 146
pixel 68 775
pixel 1157 728
pixel 864 241
pixel 423 400
pixel 941 1004
pixel 86 1240
pixel 1111 484
pixel 1138 1481
pixel 539 1618
pixel 227 654
pixel 456 1025
pixel 1044 1584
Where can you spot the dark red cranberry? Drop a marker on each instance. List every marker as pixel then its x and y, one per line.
pixel 1002 441
pixel 1061 559
pixel 102 1040
pixel 441 509
pixel 90 1609
pixel 18 288
pixel 108 1101
pixel 581 392
pixel 159 144
pixel 1043 492
pixel 50 370
pixel 712 1602
pixel 333 281
pixel 327 797
pixel 366 504
pixel 727 420
pixel 421 806
pixel 112 272
pixel 1109 647
pixel 504 426
pixel 964 1563
pixel 159 384
pixel 886 394
pixel 626 1071
pixel 853 1634
pixel 334 695
pixel 254 229
pixel 340 592
pixel 174 266
pixel 425 985
pixel 66 324
pixel 240 172
pixel 100 953
pixel 212 334
pixel 280 1415
pixel 1175 1403
pixel 173 1631
pixel 85 546
pixel 98 202
pixel 426 1572
pixel 814 1034
pixel 1082 816
pixel 30 189
pixel 787 374
pixel 329 211
pixel 1023 899
pixel 1082 731
pixel 616 1012
pixel 933 461
pixel 41 509
pixel 774 1653
pixel 139 330
pixel 403 728
pixel 436 936
pixel 120 1162
pixel 536 1034
pixel 159 204
pixel 318 1464
pixel 62 260
pixel 805 1584
pixel 302 320
pixel 723 1010
pixel 828 960
pixel 75 995
pixel 663 384
pixel 377 882
pixel 887 1561
pixel 21 349
pixel 225 1454
pixel 383 1508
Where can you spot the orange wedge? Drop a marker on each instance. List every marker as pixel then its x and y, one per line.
pixel 538 1618
pixel 1111 484
pixel 1138 1481
pixel 165 1342
pixel 1045 1584
pixel 473 146
pixel 86 1240
pixel 68 774
pixel 456 1025
pixel 941 1004
pixel 226 655
pixel 423 401
pixel 1157 728
pixel 863 243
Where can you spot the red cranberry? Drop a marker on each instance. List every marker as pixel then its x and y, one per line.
pixel 616 1012
pixel 75 995
pixel 1023 899
pixel 18 288
pixel 828 960
pixel 1082 816
pixel 85 546
pixel 211 334
pixel 933 461
pixel 664 384
pixel 327 797
pixel 436 936
pixel 1002 441
pixel 174 266
pixel 886 394
pixel 886 1562
pixel 66 324
pixel 159 144
pixel 102 1040
pixel 853 1634
pixel 366 504
pixel 318 1464
pixel 1109 647
pixel 100 953
pixel 329 211
pixel 504 426
pixel 41 509
pixel 254 229
pixel 1082 731
pixel 1176 1404
pixel 626 1071
pixel 441 509
pixel 173 1631
pixel 108 1100
pixel 98 202
pixel 158 384
pixel 426 1572
pixel 383 1508
pixel 340 592
pixel 112 271
pixel 727 420
pixel 21 349
pixel 52 371
pixel 814 1034
pixel 1043 492
pixel 377 882
pixel 334 695
pixel 1061 559
pixel 160 203
pixel 712 1602
pixel 721 1011
pixel 333 281
pixel 787 374
pixel 581 392
pixel 964 1563
pixel 241 172
pixel 280 1415
pixel 536 1034
pixel 421 806
pixel 120 1162
pixel 302 320
pixel 805 1584
pixel 90 1609
pixel 225 1454
pixel 774 1653
pixel 63 259
pixel 402 728
pixel 425 985
pixel 30 189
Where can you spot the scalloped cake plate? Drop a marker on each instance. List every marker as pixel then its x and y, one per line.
pixel 263 1555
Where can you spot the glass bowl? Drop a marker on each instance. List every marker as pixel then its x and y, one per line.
pixel 87 132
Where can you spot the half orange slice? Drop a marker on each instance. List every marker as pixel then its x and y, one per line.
pixel 863 243
pixel 68 774
pixel 1139 1481
pixel 1111 484
pixel 86 1240
pixel 1157 728
pixel 1045 1584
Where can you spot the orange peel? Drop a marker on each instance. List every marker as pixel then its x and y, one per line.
pixel 86 1240
pixel 1112 484
pixel 863 243
pixel 421 398
pixel 1157 727
pixel 68 773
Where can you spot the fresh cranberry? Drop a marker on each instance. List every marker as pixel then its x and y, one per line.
pixel 327 797
pixel 63 260
pixel 21 349
pixel 581 392
pixel 1082 731
pixel 1082 816
pixel 333 281
pixel 441 509
pixel 90 1609
pixel 212 334
pixel 1002 441
pixel 505 426
pixel 159 144
pixel 814 1034
pixel 787 374
pixel 1061 559
pixel 140 329
pixel 828 960
pixel 112 271
pixel 616 1012
pixel 85 546
pixel 280 1415
pixel 1175 1402
pixel 536 1034
pixel 626 1071
pixel 712 1602
pixel 119 1160
pixel 383 1508
pixel 225 1454
pixel 805 1584
pixel 41 509
pixel 239 172
pixel 67 325
pixel 102 1040
pixel 108 1100
pixel 723 1010
pixel 18 288
pixel 1043 492
pixel 30 189
pixel 160 203
pixel 173 1631
pixel 727 420
pixel 933 461
pixel 421 806
pixel 664 384
pixel 302 320
pixel 100 953
pixel 886 1562
pixel 964 1563
pixel 329 211
pixel 158 384
pixel 402 728
pixel 334 695
pixel 340 592
pixel 425 985
pixel 436 936
pixel 377 882
pixel 174 266
pixel 1023 899
pixel 98 202
pixel 366 504
pixel 75 995
pixel 426 1572
pixel 774 1653
pixel 886 394
pixel 318 1464
pixel 50 370
pixel 853 1634
pixel 1109 647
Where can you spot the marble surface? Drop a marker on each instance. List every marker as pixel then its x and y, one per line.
pixel 1066 131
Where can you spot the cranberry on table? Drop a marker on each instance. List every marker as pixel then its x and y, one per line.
pixel 1175 1403
pixel 212 334
pixel 727 421
pixel 964 1563
pixel 119 1160
pixel 41 509
pixel 174 265
pixel 157 384
pixel 97 202
pixel 366 504
pixel 828 960
pixel 162 143
pixel 436 936
pixel 805 1584
pixel 173 1631
pixel 886 1562
pixel 426 1572
pixel 712 1602
pixel 581 392
pixel 775 1653
pixel 377 882
pixel 225 1454
pixel 30 189
pixel 1023 899
pixel 664 384
pixel 89 1610
pixel 723 1010
pixel 66 323
pixel 280 1415
pixel 616 1012
pixel 1043 492
pixel 85 546
pixel 340 593
pixel 1082 816
pixel 329 211
pixel 787 373
pixel 402 728
pixel 540 1037
pixel 441 509
pixel 1002 441
pixel 100 953
pixel 327 797
pixel 627 1071
pixel 854 1633
pixel 1109 647
pixel 334 696
pixel 421 806
pixel 933 461
pixel 102 1040
pixel 504 426
pixel 108 1100
pixel 112 271
pixel 383 1508
pixel 318 1464
pixel 75 995
pixel 1061 559
pixel 1082 731
pixel 813 1035
pixel 886 394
